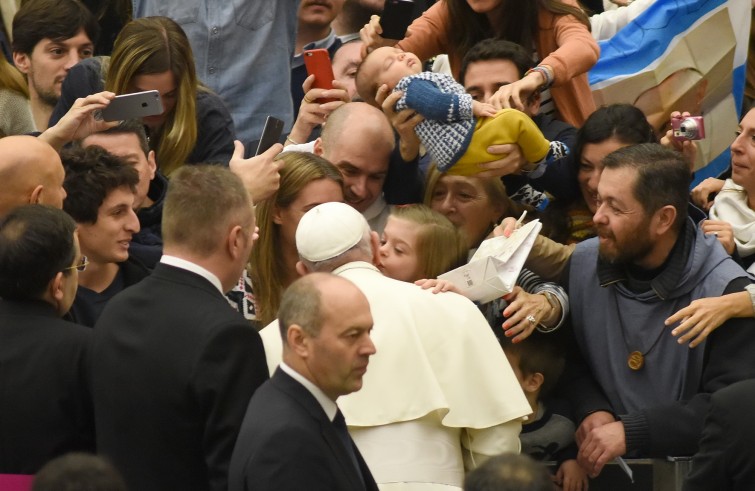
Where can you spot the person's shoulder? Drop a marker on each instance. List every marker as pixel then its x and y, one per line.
pixel 73 333
pixel 272 398
pixel 41 316
pixel 208 101
pixel 89 68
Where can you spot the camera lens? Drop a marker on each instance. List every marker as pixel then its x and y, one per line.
pixel 688 128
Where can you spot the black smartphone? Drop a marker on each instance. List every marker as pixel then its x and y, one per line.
pixel 270 134
pixel 396 17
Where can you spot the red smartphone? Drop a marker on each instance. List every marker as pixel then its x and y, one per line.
pixel 318 64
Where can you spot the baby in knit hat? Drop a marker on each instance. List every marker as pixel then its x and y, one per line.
pixel 457 130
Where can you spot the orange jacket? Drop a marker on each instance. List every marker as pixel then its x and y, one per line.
pixel 563 43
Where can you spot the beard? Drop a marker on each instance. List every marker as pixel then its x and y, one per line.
pixel 47 95
pixel 636 246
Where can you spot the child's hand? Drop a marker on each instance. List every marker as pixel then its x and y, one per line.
pixel 483 109
pixel 438 286
pixel 571 477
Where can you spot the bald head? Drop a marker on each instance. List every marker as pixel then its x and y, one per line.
pixel 358 140
pixel 325 323
pixel 30 172
pixel 357 120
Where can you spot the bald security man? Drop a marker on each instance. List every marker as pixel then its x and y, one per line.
pixel 30 172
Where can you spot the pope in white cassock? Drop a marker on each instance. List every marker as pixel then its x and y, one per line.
pixel 439 396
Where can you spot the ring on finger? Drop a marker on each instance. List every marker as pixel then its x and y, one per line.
pixel 307 100
pixel 531 319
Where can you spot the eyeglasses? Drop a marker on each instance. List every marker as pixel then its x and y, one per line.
pixel 81 266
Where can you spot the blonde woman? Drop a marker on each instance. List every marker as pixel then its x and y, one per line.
pixel 306 181
pixel 14 102
pixel 153 53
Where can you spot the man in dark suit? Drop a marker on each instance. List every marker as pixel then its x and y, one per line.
pixel 45 401
pixel 174 366
pixel 294 436
pixel 725 459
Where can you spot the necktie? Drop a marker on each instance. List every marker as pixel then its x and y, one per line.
pixel 339 423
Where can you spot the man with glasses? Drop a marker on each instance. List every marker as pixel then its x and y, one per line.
pixel 45 402
pixel 100 197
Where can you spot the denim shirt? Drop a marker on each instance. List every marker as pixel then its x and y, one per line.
pixel 242 50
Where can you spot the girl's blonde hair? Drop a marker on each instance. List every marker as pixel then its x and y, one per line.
pixel 440 246
pixel 153 45
pixel 267 267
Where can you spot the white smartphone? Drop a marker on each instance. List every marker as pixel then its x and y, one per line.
pixel 133 106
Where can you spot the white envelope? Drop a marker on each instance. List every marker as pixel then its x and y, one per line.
pixel 493 270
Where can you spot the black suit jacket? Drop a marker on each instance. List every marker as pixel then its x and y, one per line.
pixel 174 367
pixel 725 459
pixel 287 443
pixel 45 402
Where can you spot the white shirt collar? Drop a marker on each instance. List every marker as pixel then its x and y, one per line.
pixel 327 404
pixel 177 262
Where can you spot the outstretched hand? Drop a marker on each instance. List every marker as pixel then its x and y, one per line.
pixel 515 94
pixel 704 315
pixel 523 314
pixel 438 286
pixel 80 121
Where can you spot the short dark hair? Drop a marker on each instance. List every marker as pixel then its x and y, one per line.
pixel 53 19
pixel 509 472
pixel 36 243
pixel 301 305
pixel 539 353
pixel 663 177
pixel 92 174
pixel 497 49
pixel 624 122
pixel 129 127
pixel 77 472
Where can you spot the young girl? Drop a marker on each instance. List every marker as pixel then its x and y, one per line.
pixel 419 243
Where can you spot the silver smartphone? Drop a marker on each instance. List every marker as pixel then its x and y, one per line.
pixel 133 106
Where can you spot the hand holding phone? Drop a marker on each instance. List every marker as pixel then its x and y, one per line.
pixel 133 106
pixel 318 64
pixel 270 134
